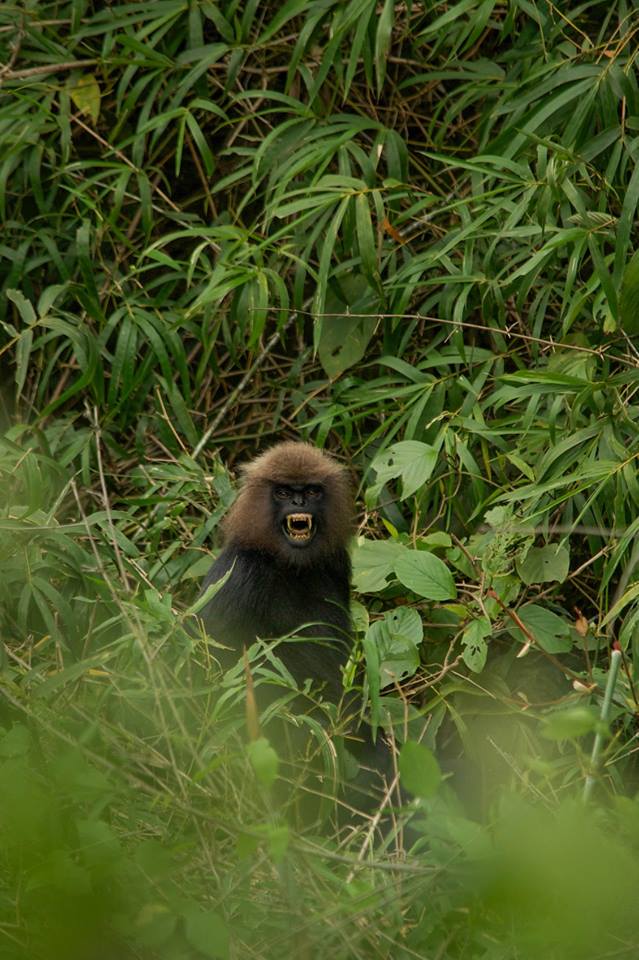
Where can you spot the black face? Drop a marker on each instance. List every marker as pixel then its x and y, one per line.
pixel 298 511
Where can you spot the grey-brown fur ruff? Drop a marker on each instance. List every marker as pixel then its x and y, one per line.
pixel 249 522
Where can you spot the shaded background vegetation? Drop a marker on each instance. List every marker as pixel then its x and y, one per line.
pixel 405 232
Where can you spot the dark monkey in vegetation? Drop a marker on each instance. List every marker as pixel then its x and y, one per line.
pixel 285 539
pixel 285 543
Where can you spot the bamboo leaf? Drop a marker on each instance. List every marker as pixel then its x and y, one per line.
pixel 383 40
pixel 629 297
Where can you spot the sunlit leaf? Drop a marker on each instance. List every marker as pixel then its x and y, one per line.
pixel 85 93
pixel 425 574
pixel 411 460
pixel 373 563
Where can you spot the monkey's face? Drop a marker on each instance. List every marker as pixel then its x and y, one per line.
pixel 298 510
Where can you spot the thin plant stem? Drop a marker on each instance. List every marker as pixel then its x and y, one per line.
pixel 615 661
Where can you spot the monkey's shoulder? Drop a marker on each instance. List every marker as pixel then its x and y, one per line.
pixel 259 569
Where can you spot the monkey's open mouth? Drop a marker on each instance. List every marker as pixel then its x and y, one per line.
pixel 299 527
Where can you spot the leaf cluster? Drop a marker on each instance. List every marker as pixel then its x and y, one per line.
pixel 403 231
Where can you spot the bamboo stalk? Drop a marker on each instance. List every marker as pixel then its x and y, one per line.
pixel 615 661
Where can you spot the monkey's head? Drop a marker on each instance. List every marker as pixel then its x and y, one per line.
pixel 295 503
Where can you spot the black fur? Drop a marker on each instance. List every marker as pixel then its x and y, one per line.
pixel 294 583
pixel 267 598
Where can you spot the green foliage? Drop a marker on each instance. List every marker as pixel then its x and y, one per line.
pixel 419 770
pixel 264 761
pixel 402 231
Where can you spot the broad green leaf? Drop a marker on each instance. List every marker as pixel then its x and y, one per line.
pixel 174 399
pixel 563 237
pixel 474 643
pixel 207 931
pixel 438 539
pixel 84 90
pixel 512 140
pixel 58 874
pixel 544 564
pixel 571 723
pixel 418 769
pixel 397 637
pixel 628 629
pixel 359 616
pixel 373 563
pixel 551 632
pixel 346 330
pixel 312 200
pixel 59 678
pixel 343 341
pixel 411 460
pixel 521 465
pixel 124 362
pixel 425 574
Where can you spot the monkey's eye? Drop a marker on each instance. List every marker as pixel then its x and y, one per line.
pixel 282 493
pixel 314 491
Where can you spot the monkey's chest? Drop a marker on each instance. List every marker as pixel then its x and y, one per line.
pixel 282 604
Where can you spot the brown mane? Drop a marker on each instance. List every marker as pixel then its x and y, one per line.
pixel 249 521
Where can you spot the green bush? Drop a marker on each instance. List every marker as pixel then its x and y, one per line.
pixel 405 232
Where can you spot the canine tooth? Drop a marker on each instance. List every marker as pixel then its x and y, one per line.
pixel 299 526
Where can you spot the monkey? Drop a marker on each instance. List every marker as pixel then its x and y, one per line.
pixel 285 550
pixel 285 556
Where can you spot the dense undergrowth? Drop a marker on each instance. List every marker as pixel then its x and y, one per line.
pixel 405 232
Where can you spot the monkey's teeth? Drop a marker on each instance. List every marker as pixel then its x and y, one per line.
pixel 299 526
